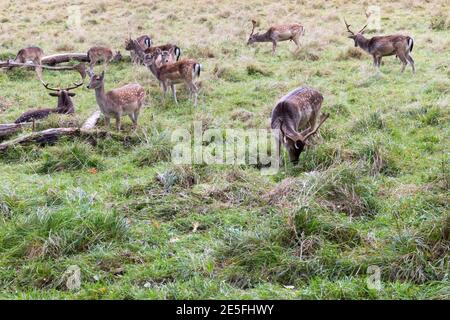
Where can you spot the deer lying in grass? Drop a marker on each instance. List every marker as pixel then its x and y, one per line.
pixel 298 110
pixel 170 74
pixel 278 33
pixel 33 54
pixel 96 54
pixel 64 106
pixel 126 100
pixel 383 46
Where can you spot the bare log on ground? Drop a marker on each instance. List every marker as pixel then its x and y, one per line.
pixel 10 128
pixel 64 57
pixel 91 122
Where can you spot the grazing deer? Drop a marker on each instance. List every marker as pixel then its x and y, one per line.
pixel 298 110
pixel 175 50
pixel 169 74
pixel 383 46
pixel 126 100
pixel 96 54
pixel 278 33
pixel 33 54
pixel 64 106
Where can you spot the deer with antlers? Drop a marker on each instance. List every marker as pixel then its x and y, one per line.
pixel 277 33
pixel 126 100
pixel 64 106
pixel 96 54
pixel 383 46
pixel 298 110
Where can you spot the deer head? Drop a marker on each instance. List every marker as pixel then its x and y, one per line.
pixel 117 57
pixel 352 34
pixel 252 37
pixel 65 103
pixel 96 80
pixel 296 141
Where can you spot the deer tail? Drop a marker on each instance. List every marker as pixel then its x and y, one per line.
pixel 177 53
pixel 410 43
pixel 197 69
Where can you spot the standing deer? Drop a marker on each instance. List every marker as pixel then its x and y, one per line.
pixel 175 50
pixel 126 100
pixel 64 106
pixel 298 110
pixel 278 33
pixel 144 42
pixel 170 74
pixel 383 46
pixel 96 54
pixel 33 54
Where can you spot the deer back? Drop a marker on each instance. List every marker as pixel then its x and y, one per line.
pixel 97 53
pixel 34 54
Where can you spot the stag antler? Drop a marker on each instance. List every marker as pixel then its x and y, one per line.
pixel 76 85
pixel 348 27
pixel 322 120
pixel 362 30
pixel 254 25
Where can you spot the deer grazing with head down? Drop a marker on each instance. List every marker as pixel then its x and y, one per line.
pixel 31 54
pixel 278 33
pixel 298 110
pixel 64 106
pixel 383 46
pixel 126 100
pixel 170 74
pixel 96 54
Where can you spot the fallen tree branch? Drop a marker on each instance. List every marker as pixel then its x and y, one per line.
pixel 64 57
pixel 8 64
pixel 53 134
pixel 91 122
pixel 10 128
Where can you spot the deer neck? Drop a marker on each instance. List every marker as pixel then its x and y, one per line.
pixel 265 37
pixel 363 43
pixel 100 96
pixel 155 70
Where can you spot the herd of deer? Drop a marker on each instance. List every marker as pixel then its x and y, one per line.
pixel 298 110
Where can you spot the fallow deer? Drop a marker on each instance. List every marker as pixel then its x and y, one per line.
pixel 298 110
pixel 126 100
pixel 383 46
pixel 33 54
pixel 175 50
pixel 144 42
pixel 64 106
pixel 96 54
pixel 278 33
pixel 170 74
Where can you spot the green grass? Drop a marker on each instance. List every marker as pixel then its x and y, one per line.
pixel 372 190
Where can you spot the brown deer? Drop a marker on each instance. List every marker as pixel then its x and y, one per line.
pixel 126 100
pixel 175 50
pixel 383 46
pixel 33 54
pixel 96 54
pixel 170 74
pixel 64 106
pixel 278 33
pixel 298 110
pixel 144 43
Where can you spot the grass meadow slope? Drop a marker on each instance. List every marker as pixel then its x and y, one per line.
pixel 372 193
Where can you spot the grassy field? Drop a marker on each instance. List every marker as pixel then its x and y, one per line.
pixel 372 193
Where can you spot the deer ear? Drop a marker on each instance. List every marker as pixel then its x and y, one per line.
pixel 72 94
pixel 53 94
pixel 103 74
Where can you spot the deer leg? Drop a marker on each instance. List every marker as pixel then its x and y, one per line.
pixel 411 62
pixel 379 62
pixel 107 122
pixel 174 92
pixel 297 42
pixel 118 122
pixel 274 46
pixel 402 58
